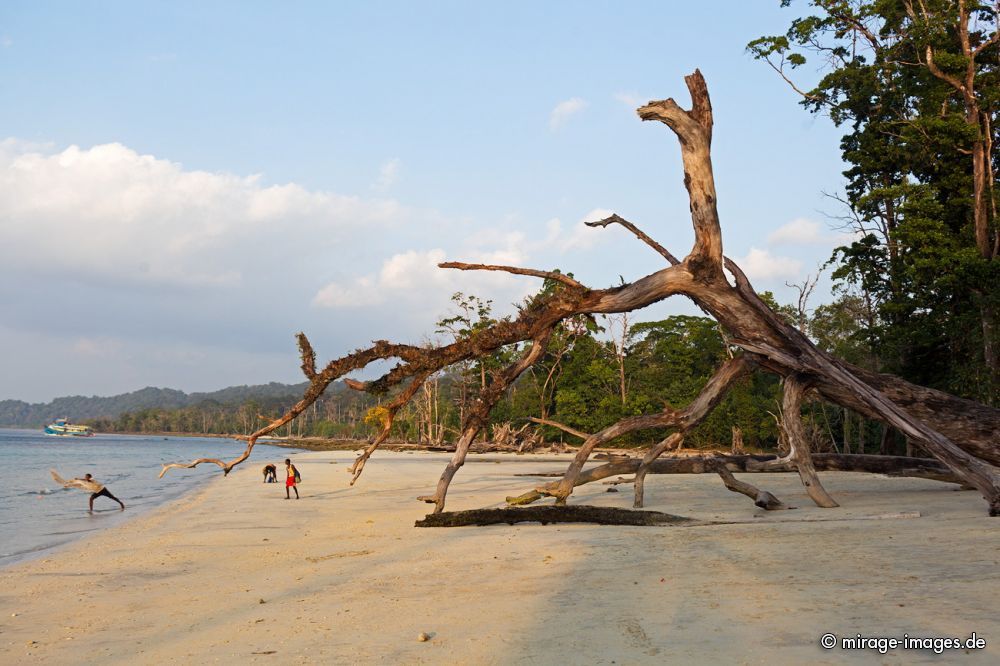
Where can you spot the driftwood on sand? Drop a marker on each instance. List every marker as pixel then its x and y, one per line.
pixel 581 513
pixel 960 434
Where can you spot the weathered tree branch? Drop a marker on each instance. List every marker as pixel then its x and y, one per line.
pixel 761 498
pixel 560 426
pixel 616 219
pixel 392 408
pixel 478 416
pixel 551 275
pixel 693 414
pixel 694 130
pixel 308 356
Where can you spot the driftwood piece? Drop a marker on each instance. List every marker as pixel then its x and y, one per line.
pixel 761 498
pixel 916 468
pixel 580 513
pixel 920 468
pixel 959 433
pixel 600 515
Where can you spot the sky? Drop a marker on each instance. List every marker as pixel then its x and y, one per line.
pixel 186 185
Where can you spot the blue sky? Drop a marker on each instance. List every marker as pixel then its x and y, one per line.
pixel 183 186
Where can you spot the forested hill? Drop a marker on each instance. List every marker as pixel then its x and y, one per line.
pixel 17 413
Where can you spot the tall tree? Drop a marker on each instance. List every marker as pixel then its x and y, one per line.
pixel 916 85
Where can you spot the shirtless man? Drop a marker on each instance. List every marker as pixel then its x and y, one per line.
pixel 103 492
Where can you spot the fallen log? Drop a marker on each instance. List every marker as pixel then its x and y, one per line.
pixel 600 515
pixel 578 513
pixel 920 468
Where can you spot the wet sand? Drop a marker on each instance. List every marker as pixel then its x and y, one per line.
pixel 234 573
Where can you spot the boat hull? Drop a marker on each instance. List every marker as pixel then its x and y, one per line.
pixel 66 430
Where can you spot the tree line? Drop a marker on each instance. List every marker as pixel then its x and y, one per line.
pixel 595 372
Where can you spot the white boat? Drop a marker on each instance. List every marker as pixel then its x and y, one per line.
pixel 63 428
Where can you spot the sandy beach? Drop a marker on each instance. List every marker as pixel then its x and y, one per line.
pixel 234 573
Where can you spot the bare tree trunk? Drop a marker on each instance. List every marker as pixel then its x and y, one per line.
pixel 795 387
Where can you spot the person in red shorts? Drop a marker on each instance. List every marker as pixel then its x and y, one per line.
pixel 291 479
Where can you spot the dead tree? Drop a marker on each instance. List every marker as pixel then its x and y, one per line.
pixel 959 433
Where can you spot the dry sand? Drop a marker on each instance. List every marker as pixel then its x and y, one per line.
pixel 237 574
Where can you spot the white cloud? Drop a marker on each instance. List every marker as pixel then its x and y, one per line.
pixel 6 41
pixel 630 99
pixel 413 280
pixel 803 231
pixel 387 174
pixel 109 213
pixel 362 292
pixel 564 110
pixel 762 265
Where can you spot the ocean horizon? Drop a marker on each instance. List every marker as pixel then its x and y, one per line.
pixel 38 516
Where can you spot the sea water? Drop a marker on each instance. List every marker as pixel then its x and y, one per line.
pixel 38 515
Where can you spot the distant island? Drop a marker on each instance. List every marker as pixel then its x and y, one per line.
pixel 237 410
pixel 20 414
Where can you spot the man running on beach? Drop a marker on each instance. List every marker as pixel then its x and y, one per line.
pixel 103 492
pixel 291 478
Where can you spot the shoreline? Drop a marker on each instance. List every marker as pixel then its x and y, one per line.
pixel 234 573
pixel 479 448
pixel 41 519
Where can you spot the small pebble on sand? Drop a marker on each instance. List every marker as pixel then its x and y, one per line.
pixel 423 637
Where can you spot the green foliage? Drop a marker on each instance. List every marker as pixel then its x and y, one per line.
pixel 909 136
